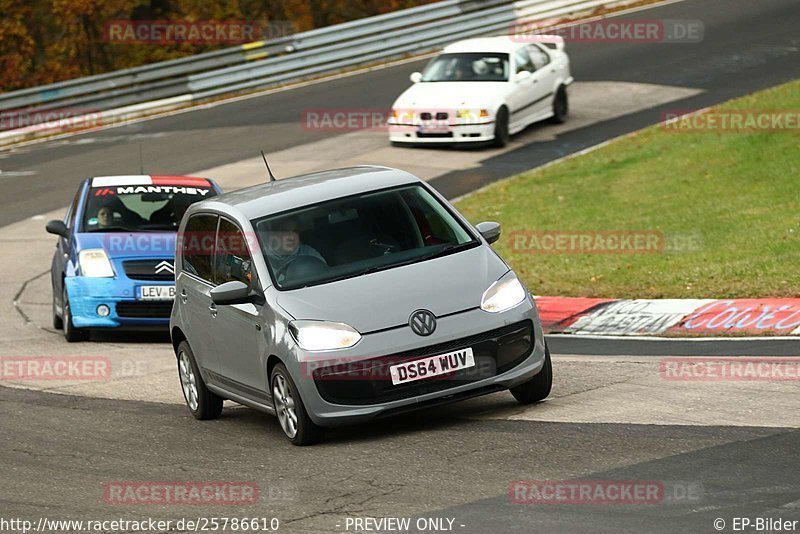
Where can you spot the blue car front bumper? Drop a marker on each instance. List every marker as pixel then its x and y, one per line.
pixel 120 295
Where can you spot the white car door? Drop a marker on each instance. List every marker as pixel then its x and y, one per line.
pixel 528 93
pixel 545 77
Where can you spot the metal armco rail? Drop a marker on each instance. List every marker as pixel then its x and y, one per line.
pixel 299 56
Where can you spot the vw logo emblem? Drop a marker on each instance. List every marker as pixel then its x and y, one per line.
pixel 165 266
pixel 422 322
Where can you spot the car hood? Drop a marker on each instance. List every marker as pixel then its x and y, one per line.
pixel 123 245
pixel 452 95
pixel 387 298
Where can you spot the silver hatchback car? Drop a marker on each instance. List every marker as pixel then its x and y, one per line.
pixel 347 295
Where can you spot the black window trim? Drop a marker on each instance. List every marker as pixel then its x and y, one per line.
pixel 209 283
pixel 254 284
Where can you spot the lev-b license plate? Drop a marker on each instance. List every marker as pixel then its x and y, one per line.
pixel 433 366
pixel 156 293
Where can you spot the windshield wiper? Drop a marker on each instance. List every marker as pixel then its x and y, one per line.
pixel 443 251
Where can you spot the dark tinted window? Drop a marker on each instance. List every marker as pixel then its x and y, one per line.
pixel 197 245
pixel 233 261
pixel 357 235
pixel 467 67
pixel 141 208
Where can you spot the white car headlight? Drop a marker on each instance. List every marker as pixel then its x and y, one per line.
pixel 95 263
pixel 322 335
pixel 503 294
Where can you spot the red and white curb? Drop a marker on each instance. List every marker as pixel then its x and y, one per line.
pixel 679 317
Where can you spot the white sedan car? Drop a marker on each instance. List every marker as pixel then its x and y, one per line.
pixel 483 90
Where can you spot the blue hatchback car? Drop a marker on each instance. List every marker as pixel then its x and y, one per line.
pixel 114 265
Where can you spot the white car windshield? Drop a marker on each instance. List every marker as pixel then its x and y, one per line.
pixel 467 67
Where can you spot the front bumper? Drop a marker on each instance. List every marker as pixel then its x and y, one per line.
pixel 508 349
pixel 454 133
pixel 119 294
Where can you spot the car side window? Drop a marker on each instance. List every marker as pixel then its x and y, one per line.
pixel 523 61
pixel 69 218
pixel 233 261
pixel 197 246
pixel 539 57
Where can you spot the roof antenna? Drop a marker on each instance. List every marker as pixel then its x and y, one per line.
pixel 141 161
pixel 271 176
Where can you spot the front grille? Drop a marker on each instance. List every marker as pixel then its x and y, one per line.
pixel 145 310
pixel 440 115
pixel 433 135
pixel 369 381
pixel 157 270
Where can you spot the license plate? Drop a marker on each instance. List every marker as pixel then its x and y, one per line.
pixel 434 128
pixel 433 366
pixel 156 293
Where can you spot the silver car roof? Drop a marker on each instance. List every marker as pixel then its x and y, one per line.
pixel 307 189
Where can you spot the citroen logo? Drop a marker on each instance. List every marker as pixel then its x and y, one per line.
pixel 165 266
pixel 422 322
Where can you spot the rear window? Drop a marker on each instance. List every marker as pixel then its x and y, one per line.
pixel 141 205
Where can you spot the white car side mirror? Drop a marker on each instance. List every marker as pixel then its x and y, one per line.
pixel 523 75
pixel 416 77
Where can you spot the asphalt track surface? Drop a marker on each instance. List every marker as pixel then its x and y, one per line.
pixel 58 451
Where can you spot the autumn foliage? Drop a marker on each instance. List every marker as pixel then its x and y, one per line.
pixel 45 41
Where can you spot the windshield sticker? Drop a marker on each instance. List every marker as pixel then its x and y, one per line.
pixel 161 189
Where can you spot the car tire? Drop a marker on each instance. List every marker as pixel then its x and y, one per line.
pixel 560 106
pixel 292 416
pixel 202 403
pixel 501 135
pixel 71 334
pixel 58 322
pixel 537 388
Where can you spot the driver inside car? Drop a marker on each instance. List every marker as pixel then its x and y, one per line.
pixel 284 246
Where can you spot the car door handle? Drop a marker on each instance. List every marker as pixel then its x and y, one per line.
pixel 213 310
pixel 184 296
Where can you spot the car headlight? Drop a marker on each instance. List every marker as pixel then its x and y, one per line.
pixel 465 114
pixel 503 294
pixel 322 335
pixel 402 116
pixel 95 263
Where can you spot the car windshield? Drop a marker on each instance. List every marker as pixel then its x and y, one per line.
pixel 357 235
pixel 467 67
pixel 141 208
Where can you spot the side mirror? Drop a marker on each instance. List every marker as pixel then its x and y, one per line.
pixel 523 75
pixel 416 77
pixel 232 293
pixel 57 228
pixel 489 230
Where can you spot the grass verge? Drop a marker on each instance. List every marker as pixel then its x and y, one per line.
pixel 724 206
